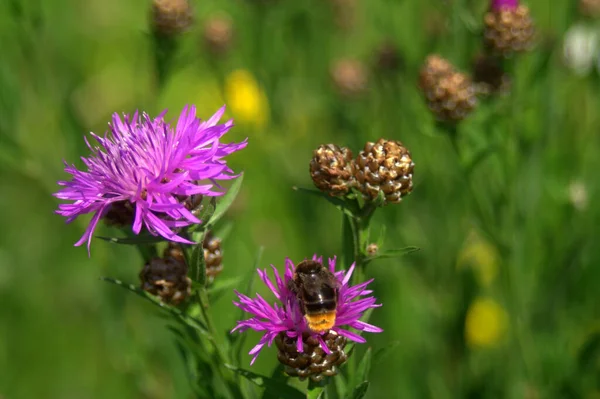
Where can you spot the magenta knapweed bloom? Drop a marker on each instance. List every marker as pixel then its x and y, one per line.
pixel 286 316
pixel 149 165
pixel 504 4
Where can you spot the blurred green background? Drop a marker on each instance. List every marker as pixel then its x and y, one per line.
pixel 500 302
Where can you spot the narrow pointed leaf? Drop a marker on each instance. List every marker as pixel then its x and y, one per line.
pixel 394 253
pixel 190 321
pixel 364 367
pixel 335 201
pixel 284 390
pixel 360 391
pixel 383 353
pixel 222 286
pixel 315 392
pixel 197 264
pixel 134 240
pixel 225 201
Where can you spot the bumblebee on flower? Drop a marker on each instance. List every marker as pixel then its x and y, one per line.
pixel 315 303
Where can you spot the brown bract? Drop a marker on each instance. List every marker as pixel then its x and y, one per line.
pixel 509 31
pixel 331 169
pixel 313 362
pixel 384 166
pixel 166 278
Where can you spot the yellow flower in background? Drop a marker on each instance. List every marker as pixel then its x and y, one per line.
pixel 482 256
pixel 246 100
pixel 485 323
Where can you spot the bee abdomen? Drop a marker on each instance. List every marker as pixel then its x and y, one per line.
pixel 323 306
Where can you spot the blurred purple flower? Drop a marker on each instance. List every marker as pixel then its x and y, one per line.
pixel 286 317
pixel 149 166
pixel 504 4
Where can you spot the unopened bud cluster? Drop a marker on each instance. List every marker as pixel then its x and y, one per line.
pixel 508 30
pixel 171 17
pixel 450 94
pixel 383 167
pixel 312 362
pixel 167 278
pixel 218 34
pixel 349 77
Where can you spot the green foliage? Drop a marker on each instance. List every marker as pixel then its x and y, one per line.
pixel 512 176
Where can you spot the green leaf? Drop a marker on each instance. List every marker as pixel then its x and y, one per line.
pixel 364 367
pixel 383 353
pixel 197 264
pixel 222 286
pixel 589 353
pixel 381 239
pixel 341 387
pixel 360 391
pixel 174 312
pixel 315 392
pixel 283 390
pixel 225 202
pixel 135 240
pixel 279 375
pixel 335 201
pixel 206 213
pixel 393 253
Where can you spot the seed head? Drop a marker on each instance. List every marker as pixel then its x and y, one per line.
pixel 384 166
pixel 171 17
pixel 218 34
pixel 331 169
pixel 450 95
pixel 349 77
pixel 312 361
pixel 508 30
pixel 166 278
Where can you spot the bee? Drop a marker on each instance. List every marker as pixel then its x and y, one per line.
pixel 316 287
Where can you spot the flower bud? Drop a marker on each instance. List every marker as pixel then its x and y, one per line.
pixel 508 28
pixel 166 278
pixel 332 169
pixel 218 34
pixel 372 249
pixel 590 8
pixel 171 17
pixel 349 77
pixel 213 257
pixel 312 362
pixel 450 95
pixel 384 166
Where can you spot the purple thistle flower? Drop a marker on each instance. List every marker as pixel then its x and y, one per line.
pixel 149 166
pixel 498 5
pixel 286 317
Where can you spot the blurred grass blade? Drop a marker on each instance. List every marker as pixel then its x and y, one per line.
pixel 279 375
pixel 222 286
pixel 188 320
pixel 337 202
pixel 383 353
pixel 394 253
pixel 360 391
pixel 225 202
pixel 364 367
pixel 283 390
pixel 478 158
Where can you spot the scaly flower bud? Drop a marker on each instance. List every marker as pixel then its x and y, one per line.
pixel 450 95
pixel 384 166
pixel 332 169
pixel 213 257
pixel 508 28
pixel 349 77
pixel 166 278
pixel 218 34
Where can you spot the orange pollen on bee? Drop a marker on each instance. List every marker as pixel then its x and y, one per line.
pixel 320 322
